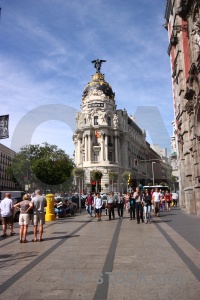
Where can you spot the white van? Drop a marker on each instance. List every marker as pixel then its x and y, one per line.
pixel 17 196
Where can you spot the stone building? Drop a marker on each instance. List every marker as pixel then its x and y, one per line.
pixel 108 139
pixel 6 156
pixel 183 25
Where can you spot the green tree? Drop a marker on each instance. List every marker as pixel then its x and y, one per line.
pixel 45 165
pixel 79 173
pixel 113 176
pixel 126 175
pixel 96 175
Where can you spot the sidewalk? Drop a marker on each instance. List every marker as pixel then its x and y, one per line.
pixel 81 258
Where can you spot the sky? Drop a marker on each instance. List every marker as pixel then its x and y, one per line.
pixel 46 49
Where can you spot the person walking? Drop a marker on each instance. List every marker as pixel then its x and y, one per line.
pixel 132 206
pixel 156 202
pixel 126 201
pixel 175 198
pixel 138 196
pixel 110 205
pixel 7 209
pixel 147 206
pixel 120 205
pixel 98 206
pixel 39 203
pixel 25 206
pixel 90 201
pixel 168 199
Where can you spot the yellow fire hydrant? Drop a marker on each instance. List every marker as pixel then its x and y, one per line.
pixel 50 215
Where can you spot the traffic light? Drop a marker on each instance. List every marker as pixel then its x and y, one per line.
pixel 129 178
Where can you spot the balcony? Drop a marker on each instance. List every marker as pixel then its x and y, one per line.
pixel 183 9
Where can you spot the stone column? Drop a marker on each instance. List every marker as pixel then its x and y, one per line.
pixel 116 149
pixel 86 148
pixel 89 147
pixel 79 151
pixel 102 149
pixel 106 147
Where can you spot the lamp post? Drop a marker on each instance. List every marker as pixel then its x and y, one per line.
pixel 153 162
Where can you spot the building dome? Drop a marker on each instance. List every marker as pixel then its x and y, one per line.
pixel 98 85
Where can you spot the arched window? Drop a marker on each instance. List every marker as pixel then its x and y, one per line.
pixel 96 120
pixel 109 121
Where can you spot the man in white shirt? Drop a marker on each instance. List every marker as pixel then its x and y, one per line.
pixel 156 200
pixel 7 209
pixel 175 198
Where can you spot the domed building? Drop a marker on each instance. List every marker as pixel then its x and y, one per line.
pixel 106 138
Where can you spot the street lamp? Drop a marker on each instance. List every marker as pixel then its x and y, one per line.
pixel 153 162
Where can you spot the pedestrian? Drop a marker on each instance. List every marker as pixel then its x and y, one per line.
pixel 126 201
pixel 39 203
pixel 90 201
pixel 25 206
pixel 98 206
pixel 147 206
pixel 132 206
pixel 138 196
pixel 162 200
pixel 7 209
pixel 120 205
pixel 156 202
pixel 168 199
pixel 111 205
pixel 93 206
pixel 175 198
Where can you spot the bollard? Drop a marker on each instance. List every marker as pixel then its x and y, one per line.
pixel 50 215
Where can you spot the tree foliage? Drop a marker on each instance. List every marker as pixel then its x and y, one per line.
pixel 78 172
pixel 96 174
pixel 125 175
pixel 113 176
pixel 45 165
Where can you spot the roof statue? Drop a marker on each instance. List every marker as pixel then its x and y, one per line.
pixel 97 64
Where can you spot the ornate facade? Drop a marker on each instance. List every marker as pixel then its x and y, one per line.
pixel 6 156
pixel 183 25
pixel 107 139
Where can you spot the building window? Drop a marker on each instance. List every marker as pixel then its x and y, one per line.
pixel 84 121
pixel 95 156
pixel 96 120
pixel 110 156
pixel 109 121
pixel 109 141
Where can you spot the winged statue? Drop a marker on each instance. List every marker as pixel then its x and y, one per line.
pixel 97 64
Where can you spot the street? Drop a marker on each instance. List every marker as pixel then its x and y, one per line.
pixel 81 258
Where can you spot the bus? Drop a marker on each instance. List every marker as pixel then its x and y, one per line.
pixel 159 187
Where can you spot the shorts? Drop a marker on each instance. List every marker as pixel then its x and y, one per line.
pixel 24 219
pixel 98 210
pixel 7 220
pixel 39 219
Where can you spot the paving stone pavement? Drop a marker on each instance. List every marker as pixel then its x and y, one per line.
pixel 81 258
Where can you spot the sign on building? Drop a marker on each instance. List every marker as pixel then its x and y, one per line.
pixel 4 132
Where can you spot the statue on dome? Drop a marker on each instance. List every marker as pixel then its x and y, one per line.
pixel 97 64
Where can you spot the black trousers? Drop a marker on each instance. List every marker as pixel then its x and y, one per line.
pixel 139 212
pixel 132 211
pixel 111 210
pixel 120 209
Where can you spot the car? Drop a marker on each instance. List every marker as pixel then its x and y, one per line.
pixel 75 199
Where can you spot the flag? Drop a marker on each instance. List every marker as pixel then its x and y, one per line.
pixel 4 133
pixel 97 134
